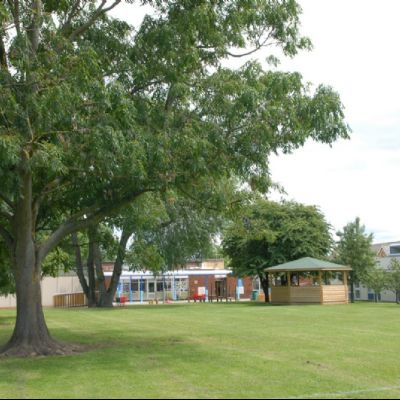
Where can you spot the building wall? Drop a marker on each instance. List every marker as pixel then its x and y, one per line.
pixel 364 294
pixel 208 282
pixel 384 255
pixel 50 287
pixel 213 264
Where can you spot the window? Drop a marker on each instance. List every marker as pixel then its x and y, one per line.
pixel 135 285
pixel 181 287
pixel 280 279
pixel 256 284
pixel 294 279
pixel 168 284
pixel 308 278
pixel 160 286
pixel 151 287
pixel 333 278
pixel 358 294
pixel 125 287
pixel 395 250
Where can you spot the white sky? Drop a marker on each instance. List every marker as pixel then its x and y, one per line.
pixel 356 52
pixel 356 46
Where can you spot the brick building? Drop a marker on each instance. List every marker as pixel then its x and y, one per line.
pixel 198 279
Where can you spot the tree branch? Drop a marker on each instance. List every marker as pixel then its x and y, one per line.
pixel 51 186
pixel 190 196
pixel 79 264
pixel 34 28
pixel 14 7
pixel 3 55
pixel 259 45
pixel 6 215
pixel 100 10
pixel 137 89
pixel 9 240
pixel 70 16
pixel 7 201
pixel 74 225
pixel 117 270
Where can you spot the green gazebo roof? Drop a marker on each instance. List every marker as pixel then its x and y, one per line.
pixel 308 264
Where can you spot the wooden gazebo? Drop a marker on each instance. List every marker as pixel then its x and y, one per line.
pixel 309 281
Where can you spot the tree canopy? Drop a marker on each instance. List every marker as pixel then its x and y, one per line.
pixel 393 281
pixel 156 233
pixel 376 279
pixel 269 233
pixel 95 113
pixel 355 250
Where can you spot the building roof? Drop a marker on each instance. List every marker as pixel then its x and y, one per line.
pixel 308 264
pixel 383 249
pixel 181 273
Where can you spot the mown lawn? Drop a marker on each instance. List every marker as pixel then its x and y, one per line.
pixel 240 350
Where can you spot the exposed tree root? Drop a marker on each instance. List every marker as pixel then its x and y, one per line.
pixel 45 348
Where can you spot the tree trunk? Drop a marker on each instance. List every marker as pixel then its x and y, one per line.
pixel 107 297
pixel 79 264
pixel 91 271
pixel 352 287
pixel 265 286
pixel 31 336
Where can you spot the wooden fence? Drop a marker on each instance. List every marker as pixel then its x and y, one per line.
pixel 70 300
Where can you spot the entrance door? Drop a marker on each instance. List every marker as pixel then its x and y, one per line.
pixel 220 288
pixel 151 290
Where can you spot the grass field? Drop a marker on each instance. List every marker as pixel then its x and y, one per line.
pixel 233 350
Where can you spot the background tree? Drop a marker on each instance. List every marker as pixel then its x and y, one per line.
pixel 7 285
pixel 155 234
pixel 355 250
pixel 94 114
pixel 393 282
pixel 376 279
pixel 270 233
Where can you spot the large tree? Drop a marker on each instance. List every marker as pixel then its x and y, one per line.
pixel 93 114
pixel 355 250
pixel 269 233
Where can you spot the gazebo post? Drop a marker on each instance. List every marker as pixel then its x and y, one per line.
pixel 320 278
pixel 345 282
pixel 288 279
pixel 320 281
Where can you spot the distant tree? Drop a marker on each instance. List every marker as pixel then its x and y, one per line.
pixel 156 233
pixel 7 285
pixel 355 250
pixel 269 233
pixel 376 279
pixel 393 283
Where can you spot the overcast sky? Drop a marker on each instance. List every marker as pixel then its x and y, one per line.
pixel 356 50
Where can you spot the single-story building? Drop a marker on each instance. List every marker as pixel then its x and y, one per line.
pixel 207 280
